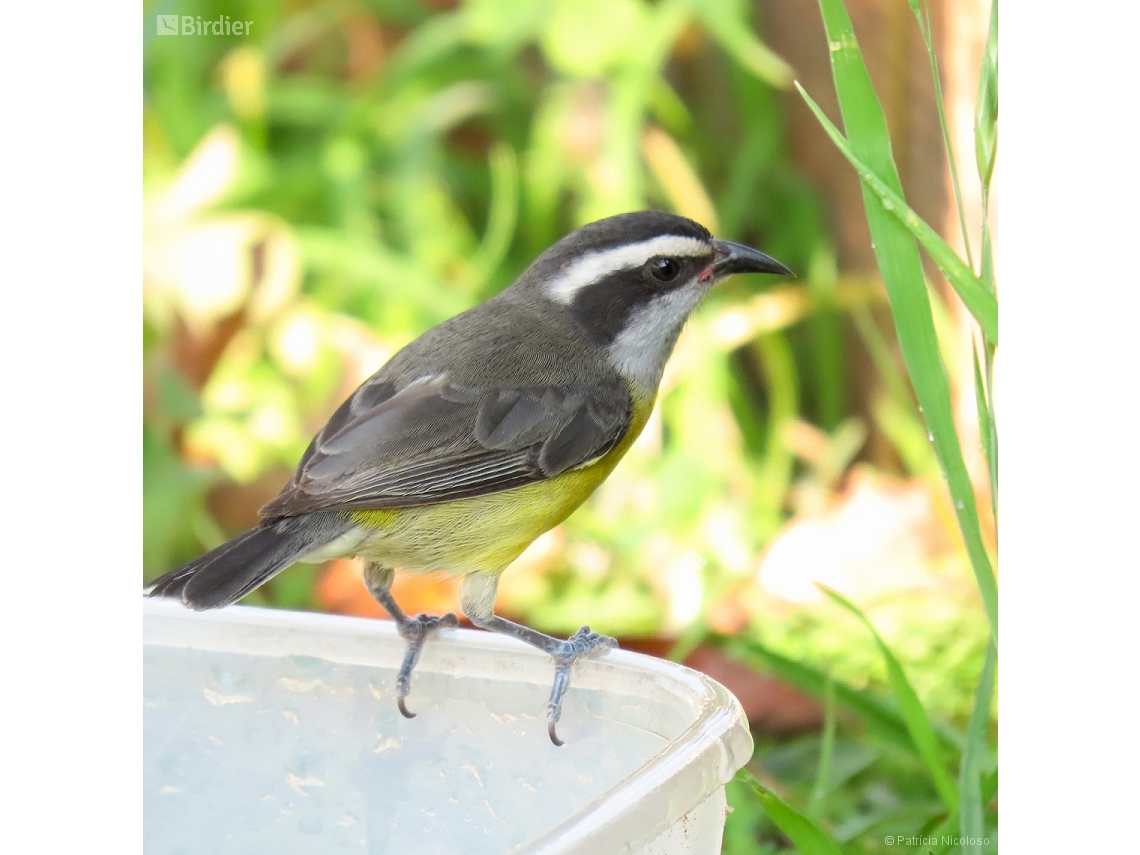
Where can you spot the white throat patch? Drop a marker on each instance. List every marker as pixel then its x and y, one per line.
pixel 590 268
pixel 641 349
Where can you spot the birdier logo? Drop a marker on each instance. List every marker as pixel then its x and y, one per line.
pixel 193 25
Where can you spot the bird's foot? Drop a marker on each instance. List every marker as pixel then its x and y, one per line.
pixel 583 644
pixel 415 631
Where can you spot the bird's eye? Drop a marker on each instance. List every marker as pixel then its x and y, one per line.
pixel 664 269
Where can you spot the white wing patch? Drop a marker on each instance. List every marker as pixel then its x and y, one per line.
pixel 592 267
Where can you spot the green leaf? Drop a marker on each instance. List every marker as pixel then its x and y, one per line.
pixel 877 714
pixel 726 22
pixel 775 474
pixel 503 214
pixel 808 837
pixel 574 44
pixel 985 145
pixel 369 263
pixel 913 712
pixel 173 499
pixel 901 268
pixel 505 23
pixel 985 118
pixel 826 748
pixel 973 815
pixel 926 29
pixel 980 302
pixel 986 430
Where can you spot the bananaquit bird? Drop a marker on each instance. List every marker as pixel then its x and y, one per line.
pixel 487 431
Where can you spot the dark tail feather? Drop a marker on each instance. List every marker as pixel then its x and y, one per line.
pixel 229 572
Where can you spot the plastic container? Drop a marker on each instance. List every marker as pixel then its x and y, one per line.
pixel 270 731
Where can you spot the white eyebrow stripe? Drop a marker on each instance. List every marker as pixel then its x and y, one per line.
pixel 592 267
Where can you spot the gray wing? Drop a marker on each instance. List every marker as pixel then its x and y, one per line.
pixel 433 441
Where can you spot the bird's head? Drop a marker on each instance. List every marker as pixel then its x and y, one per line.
pixel 631 281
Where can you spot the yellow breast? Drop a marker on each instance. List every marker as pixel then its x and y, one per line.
pixel 484 534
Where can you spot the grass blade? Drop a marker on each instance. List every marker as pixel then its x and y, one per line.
pixel 808 838
pixel 987 430
pixel 727 24
pixel 925 27
pixel 973 816
pixel 913 712
pixel 969 287
pixel 985 150
pixel 826 749
pixel 901 267
pixel 775 475
pixel 503 214
pixel 985 118
pixel 682 185
pixel 829 361
pixel 985 143
pixel 877 714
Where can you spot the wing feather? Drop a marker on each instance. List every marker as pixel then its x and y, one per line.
pixel 432 441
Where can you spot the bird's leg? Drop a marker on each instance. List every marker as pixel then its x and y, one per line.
pixel 477 599
pixel 414 630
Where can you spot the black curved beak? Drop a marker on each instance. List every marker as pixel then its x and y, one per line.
pixel 738 258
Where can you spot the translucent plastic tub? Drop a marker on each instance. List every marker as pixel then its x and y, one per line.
pixel 269 731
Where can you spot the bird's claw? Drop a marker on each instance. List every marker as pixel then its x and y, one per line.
pixel 583 644
pixel 553 735
pixel 415 631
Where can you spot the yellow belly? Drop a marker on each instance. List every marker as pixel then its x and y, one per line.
pixel 484 534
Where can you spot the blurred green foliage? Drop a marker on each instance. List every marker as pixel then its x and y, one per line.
pixel 321 192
